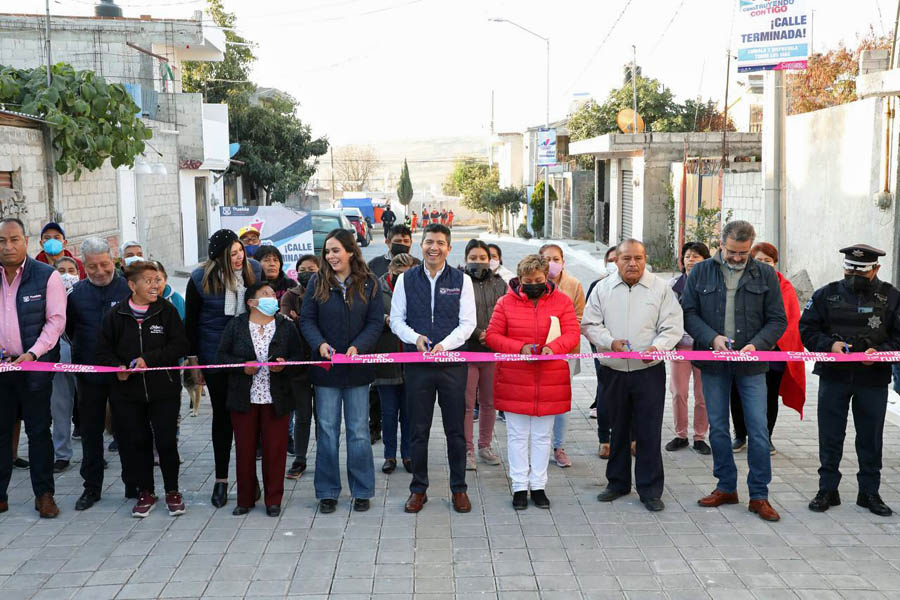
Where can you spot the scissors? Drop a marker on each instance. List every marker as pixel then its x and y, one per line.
pixel 132 364
pixel 628 345
pixel 729 345
pixel 428 344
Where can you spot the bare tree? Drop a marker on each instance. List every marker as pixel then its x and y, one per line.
pixel 354 166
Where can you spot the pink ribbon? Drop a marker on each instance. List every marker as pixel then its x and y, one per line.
pixel 483 357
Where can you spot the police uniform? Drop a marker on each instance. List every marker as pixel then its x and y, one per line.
pixel 863 314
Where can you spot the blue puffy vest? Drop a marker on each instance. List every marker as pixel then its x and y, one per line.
pixel 87 305
pixel 31 308
pixel 213 319
pixel 447 294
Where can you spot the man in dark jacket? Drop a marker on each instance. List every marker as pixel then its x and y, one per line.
pixel 398 242
pixel 858 314
pixel 89 301
pixel 32 317
pixel 388 218
pixel 732 302
pixel 433 310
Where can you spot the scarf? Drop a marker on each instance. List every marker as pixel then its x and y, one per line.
pixel 234 299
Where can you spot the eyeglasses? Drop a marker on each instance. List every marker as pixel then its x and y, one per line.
pixel 733 253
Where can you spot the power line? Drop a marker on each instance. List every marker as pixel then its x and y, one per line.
pixel 597 50
pixel 668 25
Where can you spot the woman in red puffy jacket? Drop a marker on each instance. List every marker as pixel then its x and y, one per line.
pixel 532 318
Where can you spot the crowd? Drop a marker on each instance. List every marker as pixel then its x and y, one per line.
pixel 99 309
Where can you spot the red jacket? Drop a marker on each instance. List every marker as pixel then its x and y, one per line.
pixel 793 384
pixel 532 388
pixel 42 257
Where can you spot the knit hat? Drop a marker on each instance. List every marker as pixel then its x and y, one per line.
pixel 221 240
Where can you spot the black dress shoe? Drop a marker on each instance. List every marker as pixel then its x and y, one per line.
pixel 60 466
pixel 677 444
pixel 389 465
pixel 874 503
pixel 327 505
pixel 608 495
pixel 824 500
pixel 88 499
pixel 361 504
pixel 219 495
pixel 273 511
pixel 240 511
pixel 540 499
pixel 653 504
pixel 407 464
pixel 701 447
pixel 520 500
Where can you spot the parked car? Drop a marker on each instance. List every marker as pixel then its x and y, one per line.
pixel 326 221
pixel 363 230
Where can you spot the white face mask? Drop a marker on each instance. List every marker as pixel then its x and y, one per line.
pixel 69 280
pixel 495 264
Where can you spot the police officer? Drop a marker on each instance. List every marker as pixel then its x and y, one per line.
pixel 861 313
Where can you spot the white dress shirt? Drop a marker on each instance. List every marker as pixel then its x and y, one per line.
pixel 646 314
pixel 467 313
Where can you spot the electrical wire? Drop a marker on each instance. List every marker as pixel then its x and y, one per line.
pixel 668 25
pixel 600 47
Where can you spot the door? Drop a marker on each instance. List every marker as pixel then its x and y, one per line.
pixel 627 204
pixel 128 204
pixel 202 218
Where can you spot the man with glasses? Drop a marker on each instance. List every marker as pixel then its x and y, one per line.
pixel 731 302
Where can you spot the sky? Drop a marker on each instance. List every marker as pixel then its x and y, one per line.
pixel 370 70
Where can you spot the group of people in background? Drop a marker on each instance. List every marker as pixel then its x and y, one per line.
pixel 241 307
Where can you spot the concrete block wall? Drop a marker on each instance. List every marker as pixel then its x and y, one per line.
pixel 743 196
pixel 185 113
pixel 160 204
pixel 22 153
pixel 656 199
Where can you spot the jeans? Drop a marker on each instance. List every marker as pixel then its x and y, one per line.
pixel 752 389
pixel 360 464
pixel 394 411
pixel 773 384
pixel 560 422
pixel 480 383
pixel 528 446
pixel 34 407
pixel 62 404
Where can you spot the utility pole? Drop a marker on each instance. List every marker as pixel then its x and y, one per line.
pixel 725 113
pixel 332 175
pixel 47 33
pixel 634 120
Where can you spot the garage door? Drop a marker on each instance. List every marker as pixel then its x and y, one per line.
pixel 627 205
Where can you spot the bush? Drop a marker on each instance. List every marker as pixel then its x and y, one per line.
pixel 537 208
pixel 523 232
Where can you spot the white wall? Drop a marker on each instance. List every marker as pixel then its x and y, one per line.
pixel 834 166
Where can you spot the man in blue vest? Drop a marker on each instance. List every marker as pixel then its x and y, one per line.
pixel 32 317
pixel 433 310
pixel 89 301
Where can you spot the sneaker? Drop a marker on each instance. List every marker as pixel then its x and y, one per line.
pixel 561 458
pixel 701 447
pixel 677 443
pixel 113 445
pixel 21 463
pixel 259 453
pixel 60 466
pixel 146 502
pixel 488 456
pixel 296 470
pixel 76 433
pixel 475 413
pixel 470 462
pixel 593 413
pixel 501 415
pixel 175 503
pixel 739 444
pixel 772 450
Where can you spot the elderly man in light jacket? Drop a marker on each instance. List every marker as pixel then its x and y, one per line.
pixel 634 310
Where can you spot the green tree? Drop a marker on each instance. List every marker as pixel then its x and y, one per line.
pixel 696 115
pixel 219 81
pixel 537 207
pixel 479 186
pixel 278 150
pixel 89 119
pixel 404 188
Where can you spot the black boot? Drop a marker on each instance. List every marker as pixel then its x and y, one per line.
pixel 219 495
pixel 540 499
pixel 874 503
pixel 520 500
pixel 824 500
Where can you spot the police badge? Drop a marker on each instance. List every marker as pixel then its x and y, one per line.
pixel 874 322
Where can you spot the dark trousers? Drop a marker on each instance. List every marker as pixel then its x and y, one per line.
pixel 773 384
pixel 869 404
pixel 303 416
pixel 600 403
pixel 222 433
pixel 374 410
pixel 636 403
pixel 448 382
pixel 260 422
pixel 142 424
pixel 92 400
pixel 34 407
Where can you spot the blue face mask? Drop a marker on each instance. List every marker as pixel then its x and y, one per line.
pixel 53 247
pixel 267 306
pixel 132 259
pixel 251 250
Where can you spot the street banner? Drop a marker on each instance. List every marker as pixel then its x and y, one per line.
pixel 772 34
pixel 546 148
pixel 285 228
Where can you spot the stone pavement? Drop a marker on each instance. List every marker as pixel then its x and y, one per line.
pixel 578 549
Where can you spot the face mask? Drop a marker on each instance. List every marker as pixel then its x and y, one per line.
pixel 69 280
pixel 267 306
pixel 611 268
pixel 251 250
pixel 53 246
pixel 478 271
pixel 132 259
pixel 858 283
pixel 399 249
pixel 555 269
pixel 534 290
pixel 304 277
pixel 494 264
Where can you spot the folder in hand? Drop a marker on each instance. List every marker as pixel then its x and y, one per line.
pixel 555 331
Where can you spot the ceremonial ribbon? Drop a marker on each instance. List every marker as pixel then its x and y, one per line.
pixel 485 357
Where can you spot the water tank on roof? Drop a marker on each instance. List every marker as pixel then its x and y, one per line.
pixel 107 8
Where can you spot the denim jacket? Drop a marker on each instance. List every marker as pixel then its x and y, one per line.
pixel 759 311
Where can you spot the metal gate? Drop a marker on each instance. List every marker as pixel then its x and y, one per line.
pixel 627 204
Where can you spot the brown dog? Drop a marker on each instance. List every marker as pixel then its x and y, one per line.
pixel 190 380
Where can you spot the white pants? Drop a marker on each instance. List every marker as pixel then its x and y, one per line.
pixel 528 459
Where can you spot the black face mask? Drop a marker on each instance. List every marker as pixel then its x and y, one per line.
pixel 534 290
pixel 478 271
pixel 858 283
pixel 399 249
pixel 304 277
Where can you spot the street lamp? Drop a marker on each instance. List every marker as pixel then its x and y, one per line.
pixel 547 116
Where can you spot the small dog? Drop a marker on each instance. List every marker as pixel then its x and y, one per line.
pixel 190 380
